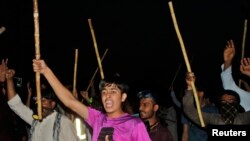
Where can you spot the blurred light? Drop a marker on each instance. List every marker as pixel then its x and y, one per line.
pixel 79 129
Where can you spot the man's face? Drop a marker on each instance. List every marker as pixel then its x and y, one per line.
pixel 48 106
pixel 228 98
pixel 112 98
pixel 146 108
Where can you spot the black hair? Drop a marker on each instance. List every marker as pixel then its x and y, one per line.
pixel 115 79
pixel 48 93
pixel 148 94
pixel 236 95
pixel 232 93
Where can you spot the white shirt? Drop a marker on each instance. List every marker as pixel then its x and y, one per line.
pixel 44 129
pixel 228 83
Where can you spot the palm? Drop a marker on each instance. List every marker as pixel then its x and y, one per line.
pixel 245 66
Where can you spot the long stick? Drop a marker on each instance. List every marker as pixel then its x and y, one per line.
pixel 186 61
pixel 243 43
pixel 96 70
pixel 37 55
pixel 74 81
pixel 96 49
pixel 75 73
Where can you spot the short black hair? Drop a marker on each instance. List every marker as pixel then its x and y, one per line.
pixel 232 93
pixel 48 93
pixel 115 79
pixel 148 94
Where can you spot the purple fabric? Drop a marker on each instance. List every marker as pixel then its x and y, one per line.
pixel 126 127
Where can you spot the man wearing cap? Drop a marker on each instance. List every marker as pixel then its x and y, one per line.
pixel 53 127
pixel 148 110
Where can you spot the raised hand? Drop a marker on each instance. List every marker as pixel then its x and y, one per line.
pixel 3 69
pixel 245 66
pixel 85 95
pixel 29 90
pixel 10 74
pixel 190 77
pixel 229 53
pixel 39 66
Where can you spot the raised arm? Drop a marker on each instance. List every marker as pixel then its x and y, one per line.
pixel 10 83
pixel 29 91
pixel 229 53
pixel 245 84
pixel 188 100
pixel 3 69
pixel 245 66
pixel 60 90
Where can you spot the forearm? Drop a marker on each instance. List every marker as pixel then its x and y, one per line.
pixel 189 108
pixel 28 100
pixel 227 79
pixel 227 64
pixel 11 92
pixel 20 109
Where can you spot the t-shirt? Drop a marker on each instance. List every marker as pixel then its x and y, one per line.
pixel 123 128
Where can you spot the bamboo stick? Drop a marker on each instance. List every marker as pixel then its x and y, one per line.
pixel 37 56
pixel 75 73
pixel 72 115
pixel 186 61
pixel 244 39
pixel 96 49
pixel 93 76
pixel 243 43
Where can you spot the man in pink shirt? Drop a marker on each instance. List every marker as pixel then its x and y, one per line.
pixel 114 124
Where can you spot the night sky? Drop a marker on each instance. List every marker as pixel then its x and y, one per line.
pixel 142 42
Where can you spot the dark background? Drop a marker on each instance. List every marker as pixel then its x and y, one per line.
pixel 142 42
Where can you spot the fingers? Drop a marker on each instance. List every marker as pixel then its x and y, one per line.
pixel 10 73
pixel 84 94
pixel 5 61
pixel 190 76
pixel 245 61
pixel 37 65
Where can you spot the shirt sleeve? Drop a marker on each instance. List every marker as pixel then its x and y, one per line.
pixel 93 114
pixel 20 109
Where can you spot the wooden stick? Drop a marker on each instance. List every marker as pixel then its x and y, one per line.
pixel 244 39
pixel 96 49
pixel 186 61
pixel 72 115
pixel 75 73
pixel 37 55
pixel 96 70
pixel 243 43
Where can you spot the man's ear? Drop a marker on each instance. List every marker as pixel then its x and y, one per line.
pixel 124 96
pixel 156 107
